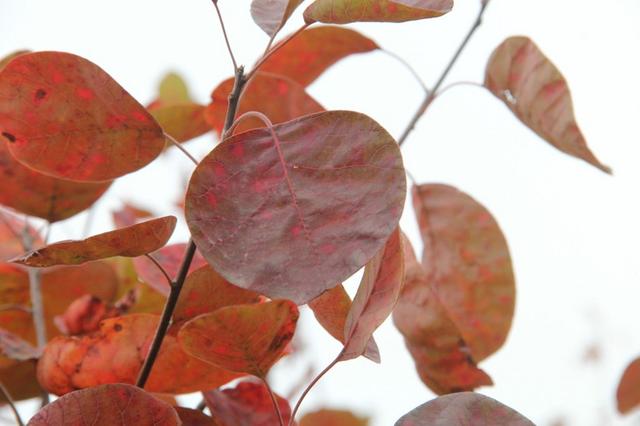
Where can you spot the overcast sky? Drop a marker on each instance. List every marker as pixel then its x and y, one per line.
pixel 573 231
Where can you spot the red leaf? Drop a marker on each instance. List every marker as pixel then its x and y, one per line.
pixel 314 50
pixel 190 417
pixel 10 236
pixel 107 405
pixel 520 75
pixel 248 404
pixel 346 11
pixel 467 260
pixel 262 89
pixel 14 347
pixel 64 116
pixel 243 338
pixel 628 393
pixel 129 215
pixel 326 417
pixel 20 380
pixel 43 196
pixel 271 15
pixel 4 61
pixel 84 315
pixel 132 241
pixel 441 355
pixel 463 409
pixel 300 215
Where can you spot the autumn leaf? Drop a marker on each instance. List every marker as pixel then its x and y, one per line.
pixel 310 53
pixel 463 409
pixel 521 76
pixel 346 11
pixel 64 116
pixel 628 392
pixel 243 338
pixel 11 229
pixel 16 348
pixel 132 241
pixel 5 60
pixel 84 315
pixel 129 215
pixel 327 417
pixel 20 380
pixel 107 405
pixel 246 404
pixel 191 417
pixel 300 215
pixel 271 15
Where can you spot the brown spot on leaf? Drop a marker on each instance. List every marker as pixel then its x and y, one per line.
pixel 11 138
pixel 39 95
pixel 117 327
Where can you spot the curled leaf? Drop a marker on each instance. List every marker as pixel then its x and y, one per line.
pixel 628 392
pixel 346 11
pixel 271 15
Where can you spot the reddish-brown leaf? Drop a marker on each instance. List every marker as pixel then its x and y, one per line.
pixel 132 241
pixel 16 348
pixel 20 380
pixel 11 229
pixel 36 194
pixel 628 392
pixel 84 315
pixel 114 354
pixel 129 215
pixel 248 404
pixel 5 60
pixel 301 214
pixel 331 309
pixel 293 101
pixel 191 417
pixel 107 405
pixel 271 15
pixel 170 257
pixel 520 75
pixel 376 296
pixel 346 11
pixel 243 338
pixel 467 260
pixel 314 50
pixel 205 291
pixel 327 417
pixel 463 409
pixel 441 356
pixel 64 116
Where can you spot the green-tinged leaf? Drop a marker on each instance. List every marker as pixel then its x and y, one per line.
pixel 173 88
pixel 327 417
pixel 628 392
pixel 301 214
pixel 243 338
pixel 520 75
pixel 346 11
pixel 271 15
pixel 64 116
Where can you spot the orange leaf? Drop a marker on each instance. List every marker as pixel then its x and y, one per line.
pixel 10 239
pixel 520 75
pixel 64 116
pixel 326 417
pixel 129 215
pixel 20 380
pixel 628 393
pixel 243 338
pixel 346 11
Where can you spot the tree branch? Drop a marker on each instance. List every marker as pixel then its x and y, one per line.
pixel 224 33
pixel 7 396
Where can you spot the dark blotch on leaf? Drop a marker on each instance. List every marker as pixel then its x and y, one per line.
pixel 11 138
pixel 117 327
pixel 40 95
pixel 279 341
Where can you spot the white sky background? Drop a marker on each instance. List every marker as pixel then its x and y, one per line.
pixel 573 231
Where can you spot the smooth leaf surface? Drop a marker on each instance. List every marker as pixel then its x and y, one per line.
pixel 11 228
pixel 5 60
pixel 259 94
pixel 521 76
pixel 376 296
pixel 442 358
pixel 20 380
pixel 301 215
pixel 107 405
pixel 114 354
pixel 463 409
pixel 243 338
pixel 129 215
pixel 46 197
pixel 191 417
pixel 247 404
pixel 327 417
pixel 628 392
pixel 314 50
pixel 467 260
pixel 64 116
pixel 271 15
pixel 132 241
pixel 346 11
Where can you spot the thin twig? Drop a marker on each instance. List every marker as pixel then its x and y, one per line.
pixel 311 385
pixel 408 66
pixel 7 396
pixel 234 98
pixel 160 268
pixel 434 92
pixel 201 405
pixel 12 307
pixel 256 114
pixel 277 47
pixel 180 147
pixel 35 292
pixel 224 32
pixel 459 84
pixel 276 407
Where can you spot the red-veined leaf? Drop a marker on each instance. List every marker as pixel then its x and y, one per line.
pixel 64 116
pixel 327 417
pixel 16 348
pixel 520 75
pixel 36 194
pixel 247 404
pixel 331 309
pixel 301 214
pixel 115 353
pixel 271 15
pixel 11 229
pixel 191 417
pixel 466 258
pixel 376 296
pixel 258 95
pixel 243 338
pixel 628 392
pixel 463 409
pixel 441 356
pixel 132 241
pixel 129 215
pixel 310 53
pixel 346 11
pixel 107 405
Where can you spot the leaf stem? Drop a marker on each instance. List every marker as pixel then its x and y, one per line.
pixel 160 268
pixel 408 66
pixel 7 396
pixel 311 385
pixel 35 292
pixel 224 32
pixel 434 92
pixel 180 147
pixel 276 407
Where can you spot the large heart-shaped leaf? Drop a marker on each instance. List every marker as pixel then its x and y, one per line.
pixel 271 15
pixel 346 11
pixel 64 116
pixel 107 405
pixel 628 392
pixel 520 75
pixel 292 217
pixel 466 258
